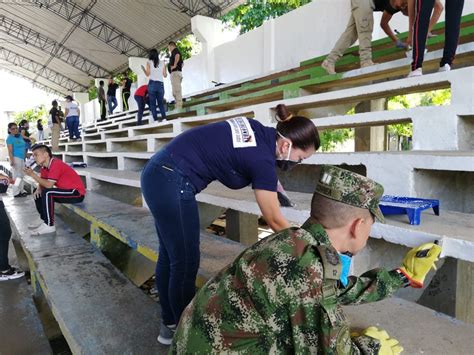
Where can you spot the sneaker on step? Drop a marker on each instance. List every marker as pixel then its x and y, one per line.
pixel 329 67
pixel 11 274
pixel 416 72
pixel 44 229
pixel 166 334
pixel 34 225
pixel 445 67
pixel 366 64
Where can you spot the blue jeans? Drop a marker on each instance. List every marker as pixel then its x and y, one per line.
pixel 72 123
pixel 171 198
pixel 112 102
pixel 5 234
pixel 141 102
pixel 156 92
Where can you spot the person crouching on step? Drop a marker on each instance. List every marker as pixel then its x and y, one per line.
pixel 57 182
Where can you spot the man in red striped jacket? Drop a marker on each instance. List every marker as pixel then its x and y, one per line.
pixel 57 182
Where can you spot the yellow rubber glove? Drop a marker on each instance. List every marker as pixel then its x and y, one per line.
pixel 418 262
pixel 388 346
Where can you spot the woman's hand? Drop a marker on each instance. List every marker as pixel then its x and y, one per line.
pixel 270 207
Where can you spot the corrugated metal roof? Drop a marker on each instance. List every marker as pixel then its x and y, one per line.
pixel 144 23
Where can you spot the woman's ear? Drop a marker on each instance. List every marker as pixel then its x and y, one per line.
pixel 285 146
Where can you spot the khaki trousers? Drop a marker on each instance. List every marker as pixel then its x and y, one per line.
pixel 55 130
pixel 17 173
pixel 176 79
pixel 360 26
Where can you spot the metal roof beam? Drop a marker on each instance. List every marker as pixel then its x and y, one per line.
pixel 66 37
pixel 202 7
pixel 38 69
pixel 94 25
pixel 50 46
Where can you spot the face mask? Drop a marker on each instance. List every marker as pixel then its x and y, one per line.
pixel 346 259
pixel 286 164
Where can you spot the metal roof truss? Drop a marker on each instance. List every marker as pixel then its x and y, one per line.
pixel 50 46
pixel 40 70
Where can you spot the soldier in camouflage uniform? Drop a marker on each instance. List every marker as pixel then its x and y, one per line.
pixel 284 294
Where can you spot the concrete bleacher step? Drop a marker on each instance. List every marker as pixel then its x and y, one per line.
pixel 21 329
pixel 99 311
pixel 135 227
pixel 134 161
pixel 419 330
pixel 453 229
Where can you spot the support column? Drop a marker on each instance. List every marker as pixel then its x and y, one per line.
pixel 135 65
pixel 465 291
pixel 81 97
pixel 370 139
pixel 242 227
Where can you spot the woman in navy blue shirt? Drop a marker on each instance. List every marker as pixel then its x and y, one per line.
pixel 236 152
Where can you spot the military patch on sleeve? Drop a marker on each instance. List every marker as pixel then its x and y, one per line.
pixel 331 262
pixel 332 257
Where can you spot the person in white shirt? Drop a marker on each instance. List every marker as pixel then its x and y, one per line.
pixel 156 89
pixel 72 113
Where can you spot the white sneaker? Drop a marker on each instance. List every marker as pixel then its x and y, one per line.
pixel 44 229
pixel 445 67
pixel 11 274
pixel 416 72
pixel 166 334
pixel 34 225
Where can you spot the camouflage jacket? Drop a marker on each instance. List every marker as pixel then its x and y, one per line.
pixel 280 296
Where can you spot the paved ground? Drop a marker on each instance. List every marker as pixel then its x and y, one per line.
pixel 22 332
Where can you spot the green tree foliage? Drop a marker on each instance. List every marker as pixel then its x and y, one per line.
pixel 32 115
pixel 185 46
pixel 253 13
pixel 331 138
pixel 94 91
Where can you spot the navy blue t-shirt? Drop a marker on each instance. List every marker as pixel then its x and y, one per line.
pixel 236 152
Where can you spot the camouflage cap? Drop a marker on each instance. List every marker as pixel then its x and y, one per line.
pixel 350 188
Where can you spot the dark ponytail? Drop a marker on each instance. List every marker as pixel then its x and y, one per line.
pixel 300 130
pixel 154 57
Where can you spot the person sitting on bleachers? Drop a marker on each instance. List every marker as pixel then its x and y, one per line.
pixel 58 182
pixel 284 294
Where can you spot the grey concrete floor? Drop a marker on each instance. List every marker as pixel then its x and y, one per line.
pixel 21 330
